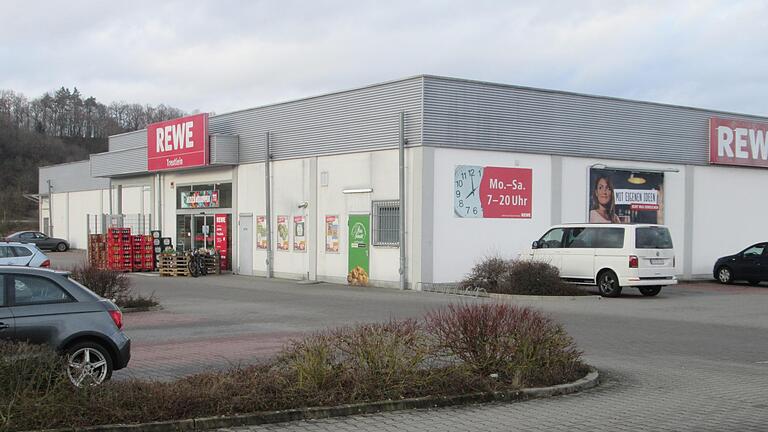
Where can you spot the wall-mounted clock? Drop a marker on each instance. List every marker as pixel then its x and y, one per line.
pixel 466 191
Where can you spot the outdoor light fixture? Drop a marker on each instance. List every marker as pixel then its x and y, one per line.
pixel 635 179
pixel 357 191
pixel 303 205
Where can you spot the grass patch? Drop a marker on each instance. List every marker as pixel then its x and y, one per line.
pixel 459 350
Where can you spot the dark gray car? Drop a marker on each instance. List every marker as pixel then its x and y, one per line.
pixel 47 307
pixel 40 240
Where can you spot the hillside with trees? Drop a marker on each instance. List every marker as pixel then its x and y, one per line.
pixel 58 127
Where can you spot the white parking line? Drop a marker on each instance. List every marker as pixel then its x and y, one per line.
pixel 762 362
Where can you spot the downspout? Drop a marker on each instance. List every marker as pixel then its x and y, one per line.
pixel 267 194
pixel 50 208
pixel 403 276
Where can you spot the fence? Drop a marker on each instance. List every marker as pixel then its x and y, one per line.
pixel 138 223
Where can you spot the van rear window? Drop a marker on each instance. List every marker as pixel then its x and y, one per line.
pixel 653 238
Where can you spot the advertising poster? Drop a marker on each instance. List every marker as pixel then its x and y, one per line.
pixel 492 192
pixel 332 234
pixel 622 196
pixel 220 236
pixel 261 232
pixel 200 199
pixel 299 234
pixel 282 233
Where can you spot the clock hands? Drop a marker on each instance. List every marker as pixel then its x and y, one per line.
pixel 474 188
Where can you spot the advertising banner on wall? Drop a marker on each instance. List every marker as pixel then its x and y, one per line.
pixel 621 196
pixel 299 234
pixel 200 199
pixel 283 243
pixel 261 232
pixel 178 143
pixel 738 142
pixel 332 234
pixel 492 192
pixel 220 237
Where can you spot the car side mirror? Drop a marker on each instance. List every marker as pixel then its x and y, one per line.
pixel 535 244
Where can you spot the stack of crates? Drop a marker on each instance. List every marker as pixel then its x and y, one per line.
pixel 97 251
pixel 119 249
pixel 143 259
pixel 157 248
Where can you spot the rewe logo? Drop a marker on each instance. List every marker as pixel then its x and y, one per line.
pixel 174 137
pixel 742 143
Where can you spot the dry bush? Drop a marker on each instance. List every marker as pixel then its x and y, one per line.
pixel 522 277
pixel 112 285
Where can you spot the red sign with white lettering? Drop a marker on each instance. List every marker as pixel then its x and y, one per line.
pixel 178 143
pixel 506 192
pixel 220 236
pixel 738 142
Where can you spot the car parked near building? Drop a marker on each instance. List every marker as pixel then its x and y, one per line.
pixel 43 306
pixel 22 254
pixel 750 265
pixel 611 256
pixel 40 240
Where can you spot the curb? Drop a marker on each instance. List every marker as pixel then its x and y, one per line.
pixel 538 297
pixel 591 380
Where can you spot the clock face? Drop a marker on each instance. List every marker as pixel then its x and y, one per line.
pixel 466 191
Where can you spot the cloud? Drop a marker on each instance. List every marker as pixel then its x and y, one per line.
pixel 228 55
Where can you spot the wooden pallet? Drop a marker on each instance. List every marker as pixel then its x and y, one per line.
pixel 174 272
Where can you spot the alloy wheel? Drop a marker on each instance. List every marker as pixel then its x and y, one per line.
pixel 87 367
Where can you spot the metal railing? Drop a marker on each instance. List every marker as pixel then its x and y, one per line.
pixel 386 223
pixel 452 288
pixel 138 223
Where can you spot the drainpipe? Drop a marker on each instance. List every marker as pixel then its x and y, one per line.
pixel 403 276
pixel 50 208
pixel 268 189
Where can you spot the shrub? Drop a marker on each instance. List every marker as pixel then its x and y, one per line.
pixel 486 274
pixel 111 285
pixel 524 277
pixel 519 344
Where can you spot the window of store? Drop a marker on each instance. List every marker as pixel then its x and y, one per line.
pixel 214 195
pixel 386 223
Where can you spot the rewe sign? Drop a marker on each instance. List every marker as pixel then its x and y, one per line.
pixel 178 143
pixel 738 142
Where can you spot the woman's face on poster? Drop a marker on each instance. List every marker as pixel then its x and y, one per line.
pixel 603 192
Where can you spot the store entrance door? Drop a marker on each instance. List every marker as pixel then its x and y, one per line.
pixel 202 232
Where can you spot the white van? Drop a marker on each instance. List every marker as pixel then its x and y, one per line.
pixel 611 256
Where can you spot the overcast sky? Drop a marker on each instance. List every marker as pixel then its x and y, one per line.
pixel 222 56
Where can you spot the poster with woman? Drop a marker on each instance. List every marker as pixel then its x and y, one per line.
pixel 261 232
pixel 624 196
pixel 282 233
pixel 299 234
pixel 332 234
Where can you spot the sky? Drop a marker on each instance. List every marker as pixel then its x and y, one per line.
pixel 221 56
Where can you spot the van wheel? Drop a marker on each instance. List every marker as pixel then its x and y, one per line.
pixel 724 275
pixel 650 291
pixel 608 284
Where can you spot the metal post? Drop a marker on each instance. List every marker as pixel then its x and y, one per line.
pixel 50 208
pixel 268 189
pixel 159 210
pixel 403 277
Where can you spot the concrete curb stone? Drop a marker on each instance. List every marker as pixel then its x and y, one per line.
pixel 592 379
pixel 538 297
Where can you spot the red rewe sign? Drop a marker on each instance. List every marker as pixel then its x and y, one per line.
pixel 506 192
pixel 738 142
pixel 178 143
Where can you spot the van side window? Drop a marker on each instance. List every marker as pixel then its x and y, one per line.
pixel 552 239
pixel 579 238
pixel 609 238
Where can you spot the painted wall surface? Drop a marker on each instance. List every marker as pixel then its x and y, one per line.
pixel 730 209
pixel 458 243
pixel 70 210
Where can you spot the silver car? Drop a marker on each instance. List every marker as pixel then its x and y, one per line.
pixel 47 307
pixel 22 254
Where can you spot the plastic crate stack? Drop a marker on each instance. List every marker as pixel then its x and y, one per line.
pixel 119 249
pixel 157 248
pixel 97 250
pixel 143 259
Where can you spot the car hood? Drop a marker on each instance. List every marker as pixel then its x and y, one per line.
pixel 726 258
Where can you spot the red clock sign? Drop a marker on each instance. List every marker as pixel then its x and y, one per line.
pixel 492 192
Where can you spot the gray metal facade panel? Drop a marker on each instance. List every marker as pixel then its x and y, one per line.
pixel 475 115
pixel 119 163
pixel 356 120
pixel 70 177
pixel 224 149
pixel 128 140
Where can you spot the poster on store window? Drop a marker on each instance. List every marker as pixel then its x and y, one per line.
pixel 283 243
pixel 261 232
pixel 299 234
pixel 332 234
pixel 624 196
pixel 200 199
pixel 220 236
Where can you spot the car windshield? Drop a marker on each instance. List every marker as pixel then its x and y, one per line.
pixel 653 238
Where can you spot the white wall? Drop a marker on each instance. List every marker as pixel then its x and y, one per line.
pixel 730 213
pixel 70 210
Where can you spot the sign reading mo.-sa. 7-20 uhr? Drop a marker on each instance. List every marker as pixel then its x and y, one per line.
pixel 492 192
pixel 178 143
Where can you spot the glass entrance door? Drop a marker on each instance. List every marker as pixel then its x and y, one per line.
pixel 202 232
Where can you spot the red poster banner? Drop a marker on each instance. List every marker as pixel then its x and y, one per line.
pixel 178 143
pixel 220 233
pixel 506 192
pixel 738 142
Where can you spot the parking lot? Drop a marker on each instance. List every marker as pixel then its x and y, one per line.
pixel 693 358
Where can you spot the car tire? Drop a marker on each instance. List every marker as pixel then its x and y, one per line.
pixel 724 275
pixel 62 247
pixel 88 364
pixel 650 291
pixel 608 284
pixel 754 282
